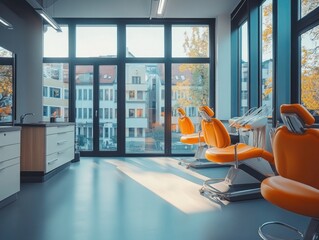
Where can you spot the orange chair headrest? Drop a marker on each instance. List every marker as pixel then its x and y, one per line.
pixel 300 110
pixel 181 112
pixel 207 110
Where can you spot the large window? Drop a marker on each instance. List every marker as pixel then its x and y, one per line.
pixel 244 69
pixel 6 85
pixel 114 79
pixel 189 80
pixel 310 69
pixel 266 53
pixel 190 88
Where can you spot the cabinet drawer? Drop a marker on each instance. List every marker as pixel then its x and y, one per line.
pixel 8 138
pixel 9 162
pixel 59 129
pixel 52 161
pixel 66 155
pixel 65 139
pixel 9 181
pixel 9 152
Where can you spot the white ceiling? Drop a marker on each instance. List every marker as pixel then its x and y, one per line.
pixel 138 8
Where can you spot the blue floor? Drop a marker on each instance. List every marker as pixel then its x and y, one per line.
pixel 125 199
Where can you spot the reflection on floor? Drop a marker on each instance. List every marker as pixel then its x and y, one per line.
pixel 132 198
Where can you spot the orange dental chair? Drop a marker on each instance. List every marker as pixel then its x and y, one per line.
pixel 243 180
pixel 189 136
pixel 296 153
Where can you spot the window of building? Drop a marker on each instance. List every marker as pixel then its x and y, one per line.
pixel 55 92
pixel 139 95
pixel 139 132
pixel 106 95
pixel 131 113
pixel 106 113
pixel 131 94
pixel 85 94
pixel 79 113
pixel 85 113
pixel 45 91
pixel 131 132
pixel 136 79
pixel 139 112
pixel 101 113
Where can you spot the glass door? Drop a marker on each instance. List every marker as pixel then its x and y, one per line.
pixel 96 107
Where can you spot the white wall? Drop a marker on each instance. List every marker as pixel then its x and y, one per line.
pixel 223 67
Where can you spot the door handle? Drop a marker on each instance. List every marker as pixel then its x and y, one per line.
pixel 95 113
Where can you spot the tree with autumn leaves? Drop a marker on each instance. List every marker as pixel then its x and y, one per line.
pixel 195 85
pixel 310 61
pixel 309 56
pixel 5 88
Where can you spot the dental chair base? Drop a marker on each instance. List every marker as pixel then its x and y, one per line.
pixel 242 183
pixel 289 232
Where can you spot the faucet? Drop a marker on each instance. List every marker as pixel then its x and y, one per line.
pixel 24 115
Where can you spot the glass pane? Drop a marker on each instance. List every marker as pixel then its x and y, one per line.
pixel 144 108
pixel 56 91
pixel 190 41
pixel 267 53
pixel 190 89
pixel 145 41
pixel 108 105
pixel 4 53
pixel 308 6
pixel 84 122
pixel 96 41
pixel 55 44
pixel 243 82
pixel 6 93
pixel 309 70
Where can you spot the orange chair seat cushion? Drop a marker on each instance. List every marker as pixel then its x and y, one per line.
pixel 244 152
pixel 193 138
pixel 291 195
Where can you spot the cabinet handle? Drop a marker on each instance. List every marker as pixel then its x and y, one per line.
pixel 51 162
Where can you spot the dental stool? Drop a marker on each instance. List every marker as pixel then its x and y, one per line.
pixel 190 137
pixel 296 188
pixel 242 181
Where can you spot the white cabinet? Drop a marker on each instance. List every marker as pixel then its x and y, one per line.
pixel 46 147
pixel 9 161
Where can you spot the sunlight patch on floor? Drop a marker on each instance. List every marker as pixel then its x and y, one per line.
pixel 177 191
